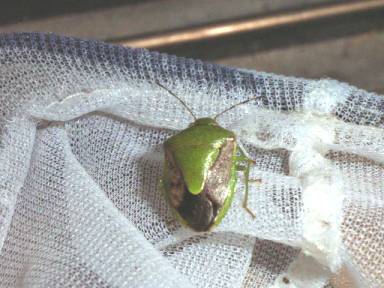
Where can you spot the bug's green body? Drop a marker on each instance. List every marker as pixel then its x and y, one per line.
pixel 195 149
pixel 200 173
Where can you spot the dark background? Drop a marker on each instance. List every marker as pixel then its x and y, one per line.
pixel 348 47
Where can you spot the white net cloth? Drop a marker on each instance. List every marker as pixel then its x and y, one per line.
pixel 82 128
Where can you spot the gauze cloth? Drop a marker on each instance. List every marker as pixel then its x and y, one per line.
pixel 82 126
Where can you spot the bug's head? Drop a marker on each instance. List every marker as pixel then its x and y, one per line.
pixel 205 122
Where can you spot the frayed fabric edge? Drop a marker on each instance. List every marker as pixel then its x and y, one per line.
pixel 322 203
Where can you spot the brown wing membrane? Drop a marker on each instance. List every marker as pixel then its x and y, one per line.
pixel 176 184
pixel 216 186
pixel 200 211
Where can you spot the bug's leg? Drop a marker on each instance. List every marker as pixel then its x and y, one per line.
pixel 245 201
pixel 245 158
pixel 256 181
pixel 246 170
pixel 242 168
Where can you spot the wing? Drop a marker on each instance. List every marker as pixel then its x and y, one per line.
pixel 200 211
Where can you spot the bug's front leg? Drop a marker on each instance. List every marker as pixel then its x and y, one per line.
pixel 246 169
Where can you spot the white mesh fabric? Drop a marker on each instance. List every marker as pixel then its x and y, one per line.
pixel 83 124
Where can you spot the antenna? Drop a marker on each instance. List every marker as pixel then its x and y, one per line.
pixel 233 106
pixel 174 95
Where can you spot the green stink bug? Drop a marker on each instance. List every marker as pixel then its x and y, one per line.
pixel 200 171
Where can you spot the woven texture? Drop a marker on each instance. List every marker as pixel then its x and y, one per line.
pixel 82 125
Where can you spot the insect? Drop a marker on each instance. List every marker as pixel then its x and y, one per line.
pixel 200 171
